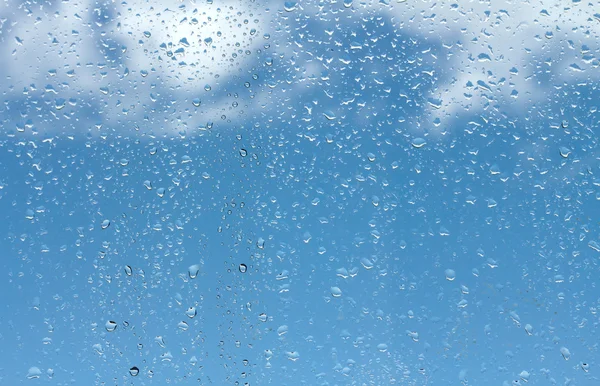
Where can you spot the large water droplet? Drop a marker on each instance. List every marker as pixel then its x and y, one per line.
pixel 191 312
pixel 134 371
pixel 564 151
pixel 105 224
pixel 329 115
pixel 243 268
pixel 289 6
pixel 128 270
pixel 34 373
pixel 193 271
pixel 262 317
pixel 336 292
pixel 368 264
pixel 418 143
pixel 450 274
pixel 110 326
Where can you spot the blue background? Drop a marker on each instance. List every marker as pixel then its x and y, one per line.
pixel 302 163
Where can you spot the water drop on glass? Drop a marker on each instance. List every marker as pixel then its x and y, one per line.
pixel 193 271
pixel 329 115
pixel 585 367
pixel 418 143
pixel 566 354
pixel 148 184
pixel 134 371
pixel 262 317
pixel 105 224
pixel 450 274
pixel 289 6
pixel 336 292
pixel 110 326
pixel 34 373
pixel 243 152
pixel 191 312
pixel 564 151
pixel 196 102
pixel 128 270
pixel 243 268
pixel 368 264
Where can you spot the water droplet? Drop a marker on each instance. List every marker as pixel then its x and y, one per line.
pixel 450 274
pixel 193 271
pixel 262 317
pixel 564 151
pixel 382 347
pixel 207 86
pixel 347 3
pixel 148 184
pixel 183 326
pixel 289 6
pixel 160 192
pixel 243 268
pixel 260 243
pixel 128 270
pixel 585 367
pixel 292 355
pixel 368 264
pixel 529 329
pixel 282 330
pixel 29 214
pixel 336 292
pixel 565 353
pixel 134 371
pixel 105 224
pixel 191 312
pixel 196 102
pixel 110 326
pixel 34 373
pixel 418 143
pixel 329 115
pixel 243 152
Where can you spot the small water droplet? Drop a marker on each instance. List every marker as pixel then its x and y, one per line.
pixel 148 184
pixel 160 192
pixel 34 373
pixel 105 224
pixel 243 268
pixel 336 292
pixel 191 312
pixel 193 271
pixel 564 151
pixel 110 326
pixel 418 143
pixel 134 371
pixel 329 115
pixel 243 152
pixel 450 274
pixel 128 270
pixel 368 264
pixel 196 102
pixel 565 353
pixel 289 6
pixel 382 347
pixel 262 317
pixel 585 367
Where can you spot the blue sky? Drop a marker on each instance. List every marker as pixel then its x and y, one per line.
pixel 412 189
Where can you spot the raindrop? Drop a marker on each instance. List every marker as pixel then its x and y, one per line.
pixel 565 353
pixel 564 151
pixel 34 373
pixel 529 329
pixel 418 143
pixel 329 115
pixel 134 371
pixel 292 355
pixel 110 326
pixel 148 184
pixel 585 367
pixel 183 326
pixel 382 347
pixel 105 224
pixel 450 274
pixel 29 214
pixel 196 102
pixel 282 330
pixel 260 243
pixel 243 268
pixel 243 152
pixel 191 312
pixel 289 6
pixel 128 270
pixel 368 264
pixel 262 317
pixel 193 271
pixel 336 292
